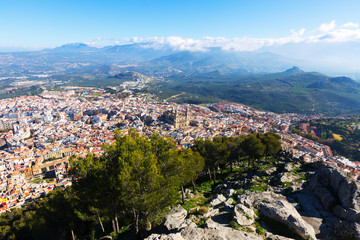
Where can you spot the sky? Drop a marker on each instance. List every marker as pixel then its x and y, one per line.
pixel 241 24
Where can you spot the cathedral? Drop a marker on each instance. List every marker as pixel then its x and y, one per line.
pixel 176 118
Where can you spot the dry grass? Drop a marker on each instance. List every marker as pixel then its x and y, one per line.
pixel 337 137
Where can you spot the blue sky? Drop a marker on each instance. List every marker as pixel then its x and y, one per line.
pixel 40 24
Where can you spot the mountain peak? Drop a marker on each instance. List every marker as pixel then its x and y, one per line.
pixel 294 69
pixel 74 47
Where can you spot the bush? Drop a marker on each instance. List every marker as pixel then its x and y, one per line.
pixel 203 210
pixel 233 224
pixel 259 229
pixel 202 222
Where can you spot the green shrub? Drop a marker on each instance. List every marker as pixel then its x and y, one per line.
pixel 202 222
pixel 259 229
pixel 203 210
pixel 233 224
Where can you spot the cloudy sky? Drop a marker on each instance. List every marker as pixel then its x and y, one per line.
pixel 182 24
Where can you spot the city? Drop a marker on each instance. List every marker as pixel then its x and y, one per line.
pixel 39 134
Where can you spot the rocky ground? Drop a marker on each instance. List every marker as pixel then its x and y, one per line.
pixel 287 199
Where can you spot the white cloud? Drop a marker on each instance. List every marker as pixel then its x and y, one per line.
pixel 350 25
pixel 326 27
pixel 298 33
pixel 326 32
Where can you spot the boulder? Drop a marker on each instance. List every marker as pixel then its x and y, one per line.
pixel 243 215
pixel 278 209
pixel 277 237
pixel 287 177
pixel 229 203
pixel 271 170
pixel 291 166
pixel 347 230
pixel 349 194
pixel 187 223
pixel 246 200
pixel 211 224
pixel 335 180
pixel 347 214
pixel 218 199
pixel 327 199
pixel 211 212
pixel 220 233
pixel 173 236
pixel 175 218
pixel 229 192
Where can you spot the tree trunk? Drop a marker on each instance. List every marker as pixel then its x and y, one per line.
pixel 72 234
pixel 101 224
pixel 193 184
pixel 182 194
pixel 113 225
pixel 214 176
pixel 117 224
pixel 136 220
pixel 148 225
pixel 231 166
pixel 253 163
pixel 209 172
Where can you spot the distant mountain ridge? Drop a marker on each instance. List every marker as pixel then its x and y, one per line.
pixel 141 57
pixel 293 90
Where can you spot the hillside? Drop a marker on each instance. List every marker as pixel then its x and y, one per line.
pixel 290 91
pixel 131 76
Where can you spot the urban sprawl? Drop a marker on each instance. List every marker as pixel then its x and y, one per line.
pixel 39 134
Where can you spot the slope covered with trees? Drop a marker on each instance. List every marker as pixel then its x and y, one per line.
pixel 131 186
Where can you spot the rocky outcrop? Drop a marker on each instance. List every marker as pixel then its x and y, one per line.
pixel 175 218
pixel 339 195
pixel 218 199
pixel 277 208
pixel 340 188
pixel 287 177
pixel 243 215
pixel 347 230
pixel 291 166
pixel 192 233
pixel 325 205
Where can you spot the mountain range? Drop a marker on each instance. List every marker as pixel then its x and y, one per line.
pixel 82 59
pixel 293 90
pixel 257 78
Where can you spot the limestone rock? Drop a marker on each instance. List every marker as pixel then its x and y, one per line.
pixel 221 233
pixel 229 192
pixel 271 170
pixel 228 203
pixel 154 236
pixel 211 224
pixel 347 214
pixel 211 212
pixel 291 166
pixel 347 230
pixel 243 215
pixel 277 237
pixel 279 210
pixel 326 197
pixel 287 177
pixel 219 198
pixel 336 181
pixel 175 218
